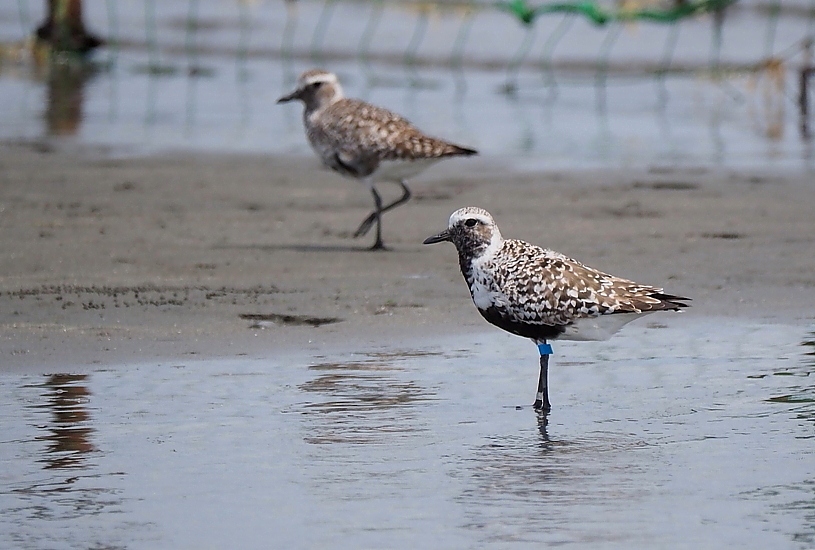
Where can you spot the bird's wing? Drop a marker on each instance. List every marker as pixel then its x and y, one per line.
pixel 550 288
pixel 362 135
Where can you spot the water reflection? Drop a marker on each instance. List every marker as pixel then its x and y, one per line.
pixel 809 347
pixel 362 402
pixel 52 494
pixel 534 467
pixel 541 487
pixel 68 436
pixel 796 498
pixel 69 433
pixel 800 393
pixel 66 96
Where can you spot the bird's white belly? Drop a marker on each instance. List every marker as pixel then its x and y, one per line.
pixel 602 327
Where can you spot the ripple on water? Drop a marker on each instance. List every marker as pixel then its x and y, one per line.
pixel 363 401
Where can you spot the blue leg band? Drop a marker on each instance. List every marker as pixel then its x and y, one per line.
pixel 545 349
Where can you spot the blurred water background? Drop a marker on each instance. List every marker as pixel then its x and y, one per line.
pixel 719 87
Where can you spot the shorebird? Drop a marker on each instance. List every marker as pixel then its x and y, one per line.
pixel 541 294
pixel 365 142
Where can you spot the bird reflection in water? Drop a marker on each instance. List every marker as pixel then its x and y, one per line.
pixel 532 465
pixel 69 432
pixel 63 495
pixel 362 402
pixel 66 95
pixel 809 349
pixel 799 393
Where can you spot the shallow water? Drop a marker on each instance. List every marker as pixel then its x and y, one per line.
pixel 697 434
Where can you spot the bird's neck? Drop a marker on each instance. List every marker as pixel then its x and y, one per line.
pixel 323 99
pixel 465 262
pixel 473 257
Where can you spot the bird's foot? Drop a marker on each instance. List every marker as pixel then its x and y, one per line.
pixel 379 245
pixel 365 226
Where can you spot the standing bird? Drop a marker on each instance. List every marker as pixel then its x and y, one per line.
pixel 366 142
pixel 541 294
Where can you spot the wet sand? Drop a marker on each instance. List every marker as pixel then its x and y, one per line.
pixel 107 260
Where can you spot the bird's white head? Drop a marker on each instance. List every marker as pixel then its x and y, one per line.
pixel 316 88
pixel 472 230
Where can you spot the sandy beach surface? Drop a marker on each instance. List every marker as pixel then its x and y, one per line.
pixel 107 260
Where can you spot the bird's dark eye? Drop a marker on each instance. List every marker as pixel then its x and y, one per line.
pixel 471 222
pixel 316 85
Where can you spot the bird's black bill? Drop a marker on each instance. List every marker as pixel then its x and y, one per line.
pixel 441 237
pixel 291 97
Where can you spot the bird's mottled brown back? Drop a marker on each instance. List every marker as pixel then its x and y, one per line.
pixel 362 135
pixel 543 286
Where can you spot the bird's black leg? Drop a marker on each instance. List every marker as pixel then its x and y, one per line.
pixel 366 224
pixel 377 213
pixel 542 398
